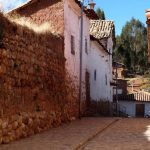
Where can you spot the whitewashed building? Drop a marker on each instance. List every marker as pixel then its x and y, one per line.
pixel 136 104
pixel 72 27
pixel 100 59
pixel 98 42
pixel 64 16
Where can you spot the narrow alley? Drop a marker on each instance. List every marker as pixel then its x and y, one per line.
pixel 90 134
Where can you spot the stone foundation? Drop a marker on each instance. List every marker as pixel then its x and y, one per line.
pixel 27 124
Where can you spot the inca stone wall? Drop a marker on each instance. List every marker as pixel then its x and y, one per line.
pixel 34 91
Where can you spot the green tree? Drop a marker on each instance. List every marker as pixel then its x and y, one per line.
pixel 100 13
pixel 131 46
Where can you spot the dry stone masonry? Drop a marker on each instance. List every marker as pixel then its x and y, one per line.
pixel 35 93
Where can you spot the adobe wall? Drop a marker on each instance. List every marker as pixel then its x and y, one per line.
pixel 41 11
pixel 51 12
pixel 35 94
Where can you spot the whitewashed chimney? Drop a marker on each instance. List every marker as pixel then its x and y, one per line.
pixel 92 4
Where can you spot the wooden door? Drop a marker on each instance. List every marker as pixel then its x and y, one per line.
pixel 140 109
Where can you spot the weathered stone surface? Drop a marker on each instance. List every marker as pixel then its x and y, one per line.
pixel 34 87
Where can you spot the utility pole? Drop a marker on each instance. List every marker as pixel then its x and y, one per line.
pixel 81 49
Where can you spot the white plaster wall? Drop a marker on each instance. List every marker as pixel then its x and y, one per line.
pixel 110 48
pixel 100 61
pixel 72 27
pixel 147 108
pixel 130 107
pixel 91 61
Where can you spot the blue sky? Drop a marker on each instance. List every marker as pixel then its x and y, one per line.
pixel 119 11
pixel 9 4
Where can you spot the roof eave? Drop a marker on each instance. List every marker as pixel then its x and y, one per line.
pixel 98 40
pixel 22 6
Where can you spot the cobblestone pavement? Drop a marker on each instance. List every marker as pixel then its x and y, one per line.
pixel 67 137
pixel 126 134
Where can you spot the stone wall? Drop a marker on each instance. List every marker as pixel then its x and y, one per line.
pixel 51 12
pixel 41 11
pixel 35 94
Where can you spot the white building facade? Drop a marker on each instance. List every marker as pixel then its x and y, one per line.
pixel 72 30
pixel 136 104
pixel 64 17
pixel 96 56
pixel 100 59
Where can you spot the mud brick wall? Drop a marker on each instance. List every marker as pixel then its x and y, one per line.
pixel 41 11
pixel 35 94
pixel 52 12
pixel 72 96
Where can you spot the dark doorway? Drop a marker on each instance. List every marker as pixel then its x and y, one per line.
pixel 140 108
pixel 87 79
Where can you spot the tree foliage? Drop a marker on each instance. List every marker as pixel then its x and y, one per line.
pixel 100 13
pixel 131 46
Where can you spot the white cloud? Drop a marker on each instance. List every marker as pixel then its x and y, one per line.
pixel 10 4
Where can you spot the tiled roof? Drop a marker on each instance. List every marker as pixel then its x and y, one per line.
pixel 100 29
pixel 118 65
pixel 139 96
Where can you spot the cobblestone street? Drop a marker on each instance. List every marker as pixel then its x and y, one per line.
pixel 90 134
pixel 126 134
pixel 67 137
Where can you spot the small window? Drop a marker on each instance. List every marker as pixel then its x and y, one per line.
pixel 106 79
pixel 72 45
pixel 95 75
pixel 86 46
pixel 109 50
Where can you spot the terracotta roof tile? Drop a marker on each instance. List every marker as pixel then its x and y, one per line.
pixel 100 29
pixel 139 96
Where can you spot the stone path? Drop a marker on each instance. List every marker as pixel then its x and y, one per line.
pixel 67 137
pixel 126 134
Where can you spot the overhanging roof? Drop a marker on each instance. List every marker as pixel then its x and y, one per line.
pixel 101 29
